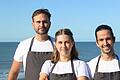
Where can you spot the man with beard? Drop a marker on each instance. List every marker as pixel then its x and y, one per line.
pixel 106 66
pixel 34 51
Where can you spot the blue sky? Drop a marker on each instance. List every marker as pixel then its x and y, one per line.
pixel 81 16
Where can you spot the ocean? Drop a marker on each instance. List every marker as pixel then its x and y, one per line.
pixel 87 50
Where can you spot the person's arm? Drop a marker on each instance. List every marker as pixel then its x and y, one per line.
pixel 44 73
pixel 15 68
pixel 83 71
pixel 83 78
pixel 43 76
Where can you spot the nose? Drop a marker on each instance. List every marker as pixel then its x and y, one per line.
pixel 63 45
pixel 41 23
pixel 105 42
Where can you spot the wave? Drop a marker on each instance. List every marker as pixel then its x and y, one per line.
pixel 4 74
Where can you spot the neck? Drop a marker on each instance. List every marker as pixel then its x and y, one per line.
pixel 41 37
pixel 107 57
pixel 64 59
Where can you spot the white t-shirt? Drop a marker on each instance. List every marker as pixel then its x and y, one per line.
pixel 103 66
pixel 80 67
pixel 23 48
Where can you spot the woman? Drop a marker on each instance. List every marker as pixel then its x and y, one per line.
pixel 64 63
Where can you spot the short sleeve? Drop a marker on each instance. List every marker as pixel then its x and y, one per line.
pixel 83 69
pixel 18 53
pixel 22 50
pixel 46 67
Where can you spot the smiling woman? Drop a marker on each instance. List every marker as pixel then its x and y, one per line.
pixel 64 46
pixel 64 53
pixel 64 43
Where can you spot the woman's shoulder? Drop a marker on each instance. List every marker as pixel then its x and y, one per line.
pixel 79 62
pixel 48 62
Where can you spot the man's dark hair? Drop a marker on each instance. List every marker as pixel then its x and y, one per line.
pixel 39 11
pixel 104 27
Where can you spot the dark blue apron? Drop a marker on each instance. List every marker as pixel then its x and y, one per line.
pixel 34 62
pixel 106 76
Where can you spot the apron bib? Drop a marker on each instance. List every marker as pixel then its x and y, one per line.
pixel 106 76
pixel 35 61
pixel 67 76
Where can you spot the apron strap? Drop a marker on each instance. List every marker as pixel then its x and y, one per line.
pixel 31 43
pixel 53 67
pixel 51 41
pixel 118 61
pixel 73 68
pixel 96 69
